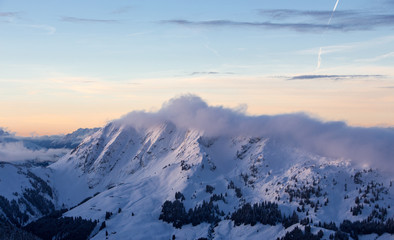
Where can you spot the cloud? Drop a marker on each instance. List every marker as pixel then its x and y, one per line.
pixel 122 10
pixel 39 149
pixel 9 17
pixel 350 20
pixel 334 77
pixel 292 13
pixel 378 58
pixel 9 14
pixel 138 33
pixel 4 133
pixel 49 29
pixel 364 146
pixel 87 85
pixel 302 21
pixel 301 27
pixel 17 152
pixel 351 46
pixel 87 20
pixel 209 73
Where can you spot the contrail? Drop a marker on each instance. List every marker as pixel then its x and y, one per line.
pixel 328 23
pixel 332 13
pixel 319 58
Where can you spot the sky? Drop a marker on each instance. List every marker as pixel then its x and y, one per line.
pixel 71 64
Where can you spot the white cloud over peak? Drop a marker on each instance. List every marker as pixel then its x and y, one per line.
pixel 373 146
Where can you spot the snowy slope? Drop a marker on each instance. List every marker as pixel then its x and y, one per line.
pixel 26 193
pixel 124 174
pixel 137 170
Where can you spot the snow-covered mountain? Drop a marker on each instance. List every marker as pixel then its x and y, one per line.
pixel 154 176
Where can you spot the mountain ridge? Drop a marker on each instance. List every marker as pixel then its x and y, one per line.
pixel 129 174
pixel 263 169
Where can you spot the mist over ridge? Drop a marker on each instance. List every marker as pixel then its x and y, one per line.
pixel 17 149
pixel 365 146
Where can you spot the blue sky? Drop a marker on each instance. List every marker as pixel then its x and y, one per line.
pixel 65 64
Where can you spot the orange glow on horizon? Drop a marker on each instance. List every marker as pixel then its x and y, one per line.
pixel 359 103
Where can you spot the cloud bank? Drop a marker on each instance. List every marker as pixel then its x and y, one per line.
pixel 364 146
pixel 87 20
pixel 16 152
pixel 302 21
pixel 300 27
pixel 39 149
pixel 334 77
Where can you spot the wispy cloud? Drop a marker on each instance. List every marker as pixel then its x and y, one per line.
pixel 212 50
pixel 352 46
pixel 122 10
pixel 302 21
pixel 9 14
pixel 135 34
pixel 82 85
pixel 331 49
pixel 334 77
pixel 87 20
pixel 9 17
pixel 348 18
pixel 301 27
pixel 49 29
pixel 280 14
pixel 88 86
pixel 378 58
pixel 209 73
